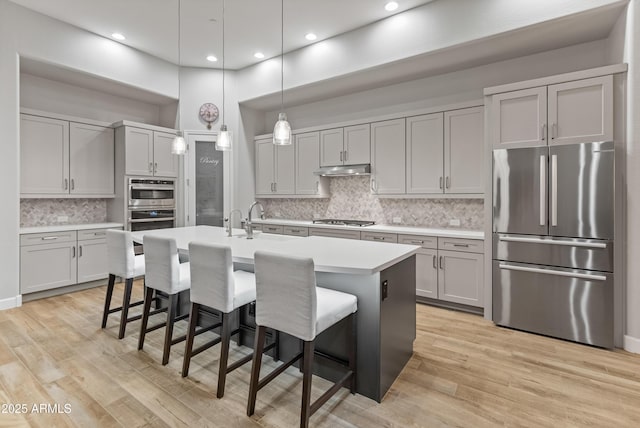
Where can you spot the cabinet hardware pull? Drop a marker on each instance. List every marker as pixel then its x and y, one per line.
pixel 66 184
pixel 435 266
pixel 374 187
pixel 73 184
pixel 544 131
pixel 275 187
pixel 461 245
pixel 99 233
pixel 346 155
pixel 150 166
pixel 341 156
pixel 441 263
pixel 440 182
pixel 155 167
pixel 378 238
pixel 554 131
pixel 417 242
pixel 448 182
pixel 49 238
pixel 73 252
pixel 80 251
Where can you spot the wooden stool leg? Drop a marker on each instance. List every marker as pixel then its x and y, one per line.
pixel 171 319
pixel 191 333
pixel 107 299
pixel 224 353
pixel 353 354
pixel 148 296
pixel 255 369
pixel 307 373
pixel 126 300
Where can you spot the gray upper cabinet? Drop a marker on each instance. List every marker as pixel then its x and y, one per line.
pixel 345 146
pixel 464 151
pixel 565 113
pixel 91 154
pixel 425 152
pixel 307 151
pixel 265 167
pixel 275 170
pixel 62 159
pixel 388 157
pixel 148 153
pixel 285 170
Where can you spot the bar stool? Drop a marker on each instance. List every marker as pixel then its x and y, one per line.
pixel 122 262
pixel 214 284
pixel 165 273
pixel 288 300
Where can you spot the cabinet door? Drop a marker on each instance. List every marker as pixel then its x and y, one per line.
pixel 307 152
pixel 165 163
pixel 427 273
pixel 357 144
pixel 47 266
pixel 331 147
pixel 44 155
pixel 388 156
pixel 138 151
pixel 464 150
pixel 265 167
pixel 461 278
pixel 91 159
pixel 425 154
pixel 519 118
pixel 285 173
pixel 581 111
pixel 92 260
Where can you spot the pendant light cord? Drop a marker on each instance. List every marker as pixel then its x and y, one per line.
pixel 223 109
pixel 179 59
pixel 281 55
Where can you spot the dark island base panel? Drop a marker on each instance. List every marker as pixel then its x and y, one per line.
pixel 386 327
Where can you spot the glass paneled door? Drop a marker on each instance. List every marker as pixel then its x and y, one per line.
pixel 208 181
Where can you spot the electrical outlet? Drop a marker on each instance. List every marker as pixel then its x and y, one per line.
pixel 454 222
pixel 63 218
pixel 397 220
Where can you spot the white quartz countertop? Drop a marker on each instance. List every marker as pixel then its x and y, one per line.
pixel 409 230
pixel 329 254
pixel 65 227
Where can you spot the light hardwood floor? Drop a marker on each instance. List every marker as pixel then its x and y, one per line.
pixel 465 372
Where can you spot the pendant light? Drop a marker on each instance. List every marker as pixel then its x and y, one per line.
pixel 223 142
pixel 179 145
pixel 282 130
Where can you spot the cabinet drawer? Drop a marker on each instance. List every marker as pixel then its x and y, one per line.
pixel 423 241
pixel 379 237
pixel 333 233
pixel 457 244
pixel 47 238
pixel 296 231
pixel 269 228
pixel 92 234
pixel 256 227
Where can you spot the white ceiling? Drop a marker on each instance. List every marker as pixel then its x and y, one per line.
pixel 250 25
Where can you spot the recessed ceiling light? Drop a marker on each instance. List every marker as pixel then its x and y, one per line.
pixel 391 6
pixel 259 55
pixel 310 36
pixel 212 58
pixel 118 36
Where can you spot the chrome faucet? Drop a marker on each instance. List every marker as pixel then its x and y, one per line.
pixel 229 220
pixel 248 226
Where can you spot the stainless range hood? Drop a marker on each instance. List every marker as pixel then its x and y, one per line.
pixel 344 170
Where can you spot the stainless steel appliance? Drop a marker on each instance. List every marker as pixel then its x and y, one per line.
pixel 339 222
pixel 553 231
pixel 151 204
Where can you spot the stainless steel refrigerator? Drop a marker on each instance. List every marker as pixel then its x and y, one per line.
pixel 553 231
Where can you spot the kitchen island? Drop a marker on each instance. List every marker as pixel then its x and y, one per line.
pixel 381 276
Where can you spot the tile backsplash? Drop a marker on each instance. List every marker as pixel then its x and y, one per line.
pixel 351 199
pixel 45 212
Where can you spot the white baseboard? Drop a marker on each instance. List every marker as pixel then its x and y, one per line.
pixel 11 302
pixel 632 344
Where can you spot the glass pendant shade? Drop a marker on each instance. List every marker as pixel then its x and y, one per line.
pixel 179 145
pixel 282 131
pixel 223 143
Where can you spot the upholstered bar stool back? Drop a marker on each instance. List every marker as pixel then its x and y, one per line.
pixel 214 284
pixel 165 273
pixel 122 262
pixel 288 300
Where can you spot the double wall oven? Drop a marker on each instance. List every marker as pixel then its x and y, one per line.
pixel 151 204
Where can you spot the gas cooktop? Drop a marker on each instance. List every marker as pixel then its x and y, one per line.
pixel 339 222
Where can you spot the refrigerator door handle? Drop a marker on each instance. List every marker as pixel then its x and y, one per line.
pixel 553 242
pixel 554 190
pixel 554 272
pixel 544 131
pixel 543 190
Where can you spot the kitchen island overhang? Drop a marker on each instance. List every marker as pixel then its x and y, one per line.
pixel 381 275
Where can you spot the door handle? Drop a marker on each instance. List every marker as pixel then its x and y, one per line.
pixel 73 184
pixel 554 131
pixel 435 266
pixel 275 187
pixel 554 190
pixel 80 251
pixel 73 252
pixel 441 263
pixel 341 156
pixel 440 182
pixel 346 155
pixel 600 245
pixel 543 190
pixel 155 167
pixel 448 182
pixel 66 184
pixel 554 272
pixel 544 132
pixel 150 166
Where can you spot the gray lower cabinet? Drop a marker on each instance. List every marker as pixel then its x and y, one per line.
pixel 270 228
pixel 427 273
pixel 334 233
pixel 460 277
pixel 58 259
pixel 295 231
